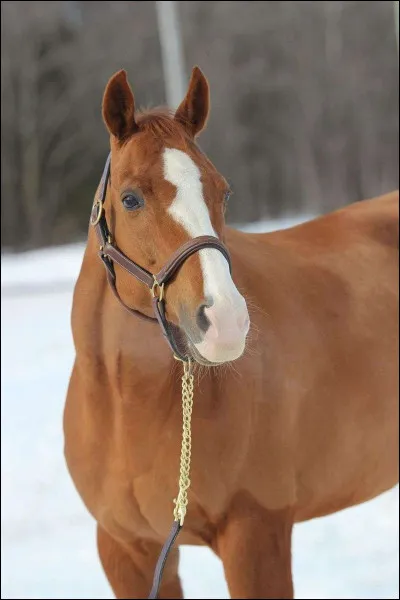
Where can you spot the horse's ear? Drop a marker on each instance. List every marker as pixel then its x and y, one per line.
pixel 193 111
pixel 119 107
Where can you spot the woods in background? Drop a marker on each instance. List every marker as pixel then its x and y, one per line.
pixel 304 103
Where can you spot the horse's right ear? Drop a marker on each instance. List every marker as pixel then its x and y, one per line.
pixel 119 107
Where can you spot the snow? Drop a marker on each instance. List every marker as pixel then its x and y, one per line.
pixel 48 538
pixel 47 267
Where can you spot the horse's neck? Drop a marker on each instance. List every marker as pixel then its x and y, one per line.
pixel 115 347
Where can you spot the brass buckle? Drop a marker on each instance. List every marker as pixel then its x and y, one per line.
pixel 156 286
pixel 98 203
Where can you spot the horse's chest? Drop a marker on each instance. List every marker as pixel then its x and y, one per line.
pixel 138 499
pixel 125 462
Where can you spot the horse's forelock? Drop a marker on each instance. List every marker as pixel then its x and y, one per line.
pixel 160 123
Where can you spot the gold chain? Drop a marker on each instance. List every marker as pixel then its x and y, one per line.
pixel 187 405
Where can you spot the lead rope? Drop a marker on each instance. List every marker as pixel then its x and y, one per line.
pixel 184 473
pixel 181 501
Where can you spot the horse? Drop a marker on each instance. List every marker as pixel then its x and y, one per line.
pixel 293 339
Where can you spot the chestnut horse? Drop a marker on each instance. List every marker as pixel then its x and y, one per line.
pixel 300 417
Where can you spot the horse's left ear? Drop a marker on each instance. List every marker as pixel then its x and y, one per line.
pixel 193 111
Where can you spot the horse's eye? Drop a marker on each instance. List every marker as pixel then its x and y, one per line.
pixel 132 202
pixel 227 196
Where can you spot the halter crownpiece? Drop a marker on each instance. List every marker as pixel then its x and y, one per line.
pixel 109 253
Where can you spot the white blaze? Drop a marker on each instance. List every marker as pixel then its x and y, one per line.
pixel 190 211
pixel 225 338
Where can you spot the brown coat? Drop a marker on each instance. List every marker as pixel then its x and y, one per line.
pixel 303 424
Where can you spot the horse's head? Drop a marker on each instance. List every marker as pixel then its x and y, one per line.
pixel 164 191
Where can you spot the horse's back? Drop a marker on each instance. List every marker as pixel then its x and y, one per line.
pixel 375 219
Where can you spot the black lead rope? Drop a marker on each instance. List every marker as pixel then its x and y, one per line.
pixel 162 559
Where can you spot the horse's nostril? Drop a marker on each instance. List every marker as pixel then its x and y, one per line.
pixel 202 320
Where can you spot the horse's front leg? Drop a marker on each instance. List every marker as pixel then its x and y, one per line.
pixel 130 568
pixel 254 545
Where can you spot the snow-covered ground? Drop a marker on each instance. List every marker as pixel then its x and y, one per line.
pixel 47 537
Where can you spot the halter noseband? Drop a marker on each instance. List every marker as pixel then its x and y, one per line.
pixel 109 253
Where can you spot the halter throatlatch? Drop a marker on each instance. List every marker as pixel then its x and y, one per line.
pixel 110 254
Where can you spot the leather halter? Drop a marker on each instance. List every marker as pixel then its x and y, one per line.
pixel 109 253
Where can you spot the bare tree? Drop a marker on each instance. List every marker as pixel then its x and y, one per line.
pixel 40 132
pixel 304 103
pixel 54 69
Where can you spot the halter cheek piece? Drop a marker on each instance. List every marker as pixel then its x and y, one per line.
pixel 109 253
